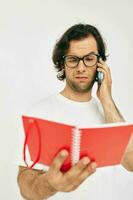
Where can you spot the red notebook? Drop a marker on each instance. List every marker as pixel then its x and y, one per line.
pixel 103 144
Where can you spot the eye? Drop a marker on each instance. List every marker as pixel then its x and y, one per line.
pixel 71 59
pixel 90 57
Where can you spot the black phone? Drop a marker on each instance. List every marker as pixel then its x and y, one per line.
pixel 99 77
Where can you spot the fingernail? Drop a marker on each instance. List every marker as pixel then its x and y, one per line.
pixel 64 153
pixel 94 165
pixel 85 160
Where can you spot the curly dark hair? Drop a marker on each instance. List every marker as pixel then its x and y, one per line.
pixel 76 32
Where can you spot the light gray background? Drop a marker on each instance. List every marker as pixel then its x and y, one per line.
pixel 28 31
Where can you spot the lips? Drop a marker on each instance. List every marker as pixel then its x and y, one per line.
pixel 81 78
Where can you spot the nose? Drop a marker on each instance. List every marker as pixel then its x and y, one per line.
pixel 81 67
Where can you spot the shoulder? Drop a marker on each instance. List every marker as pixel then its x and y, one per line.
pixel 42 107
pixel 98 107
pixel 97 103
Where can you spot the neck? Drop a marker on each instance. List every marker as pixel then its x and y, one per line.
pixel 76 96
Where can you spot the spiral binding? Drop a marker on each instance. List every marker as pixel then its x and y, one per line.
pixel 75 152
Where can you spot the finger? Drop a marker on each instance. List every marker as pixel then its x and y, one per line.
pixel 92 167
pixel 103 66
pixel 102 70
pixel 58 161
pixel 88 171
pixel 106 74
pixel 102 62
pixel 109 71
pixel 78 168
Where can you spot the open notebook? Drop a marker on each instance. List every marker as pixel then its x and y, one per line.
pixel 104 144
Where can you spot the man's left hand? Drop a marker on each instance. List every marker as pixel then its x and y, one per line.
pixel 104 89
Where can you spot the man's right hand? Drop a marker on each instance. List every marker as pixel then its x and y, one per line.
pixel 37 185
pixel 71 179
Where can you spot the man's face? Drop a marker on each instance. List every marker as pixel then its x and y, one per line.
pixel 81 78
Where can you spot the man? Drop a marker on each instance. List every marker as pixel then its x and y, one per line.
pixel 78 56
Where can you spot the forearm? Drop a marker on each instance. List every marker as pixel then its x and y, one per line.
pixel 127 160
pixel 111 112
pixel 33 184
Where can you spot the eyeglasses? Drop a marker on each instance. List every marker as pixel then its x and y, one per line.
pixel 89 60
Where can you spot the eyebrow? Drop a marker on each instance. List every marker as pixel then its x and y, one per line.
pixel 91 52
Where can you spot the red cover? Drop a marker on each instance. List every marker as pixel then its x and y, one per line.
pixel 45 139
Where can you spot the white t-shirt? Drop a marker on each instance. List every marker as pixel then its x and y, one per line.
pixel 108 183
pixel 61 109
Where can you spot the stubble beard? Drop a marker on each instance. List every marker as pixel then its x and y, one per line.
pixel 80 87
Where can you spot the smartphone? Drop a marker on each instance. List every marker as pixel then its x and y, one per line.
pixel 99 77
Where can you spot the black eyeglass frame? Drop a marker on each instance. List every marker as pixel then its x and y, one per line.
pixel 80 58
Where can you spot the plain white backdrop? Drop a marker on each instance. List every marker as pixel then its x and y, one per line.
pixel 28 32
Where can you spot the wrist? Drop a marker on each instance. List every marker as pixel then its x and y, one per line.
pixel 106 102
pixel 111 112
